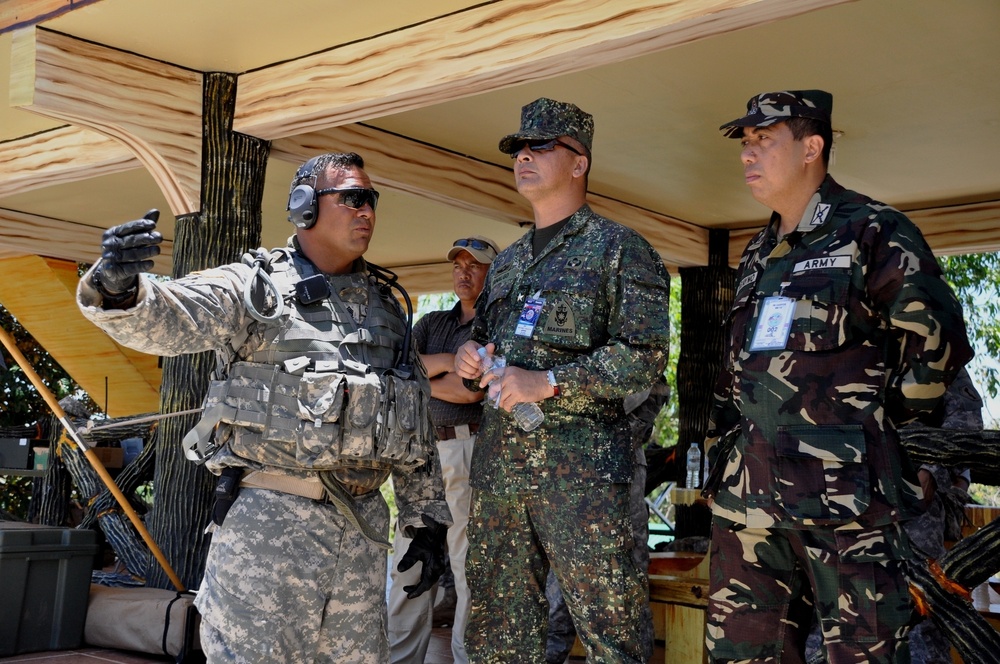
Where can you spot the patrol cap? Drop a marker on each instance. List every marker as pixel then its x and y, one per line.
pixel 769 108
pixel 482 248
pixel 547 119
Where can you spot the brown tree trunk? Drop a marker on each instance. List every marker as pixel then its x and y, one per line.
pixel 706 296
pixel 229 224
pixel 976 449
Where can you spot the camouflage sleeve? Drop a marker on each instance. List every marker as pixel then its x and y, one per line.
pixel 724 416
pixel 908 289
pixel 195 313
pixel 421 491
pixel 635 352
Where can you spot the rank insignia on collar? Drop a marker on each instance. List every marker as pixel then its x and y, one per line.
pixel 819 215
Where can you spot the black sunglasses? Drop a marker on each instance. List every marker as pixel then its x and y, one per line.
pixel 354 198
pixel 473 243
pixel 541 145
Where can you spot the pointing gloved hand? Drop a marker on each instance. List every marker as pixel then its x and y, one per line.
pixel 429 546
pixel 126 251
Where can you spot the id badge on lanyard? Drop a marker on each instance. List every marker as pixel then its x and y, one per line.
pixel 529 316
pixel 774 324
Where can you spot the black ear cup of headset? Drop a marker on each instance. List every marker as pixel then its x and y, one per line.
pixel 301 208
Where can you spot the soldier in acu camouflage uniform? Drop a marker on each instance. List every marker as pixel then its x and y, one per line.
pixel 312 406
pixel 578 306
pixel 842 329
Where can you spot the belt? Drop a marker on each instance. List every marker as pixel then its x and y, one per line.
pixel 450 433
pixel 335 494
pixel 258 479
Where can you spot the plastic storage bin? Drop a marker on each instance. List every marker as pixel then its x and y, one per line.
pixel 44 582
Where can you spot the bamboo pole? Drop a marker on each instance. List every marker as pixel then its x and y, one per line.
pixel 88 452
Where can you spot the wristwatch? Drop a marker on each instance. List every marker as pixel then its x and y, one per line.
pixel 552 381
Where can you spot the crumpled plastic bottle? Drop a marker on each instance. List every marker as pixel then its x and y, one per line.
pixel 527 415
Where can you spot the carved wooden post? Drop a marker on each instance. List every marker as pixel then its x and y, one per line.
pixel 706 296
pixel 228 225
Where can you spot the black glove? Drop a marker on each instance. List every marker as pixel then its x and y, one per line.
pixel 429 546
pixel 125 252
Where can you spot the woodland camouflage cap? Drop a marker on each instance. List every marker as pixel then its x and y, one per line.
pixel 768 108
pixel 547 119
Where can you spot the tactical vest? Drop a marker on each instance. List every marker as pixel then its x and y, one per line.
pixel 314 390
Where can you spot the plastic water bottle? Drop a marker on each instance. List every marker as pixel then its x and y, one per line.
pixel 693 467
pixel 527 415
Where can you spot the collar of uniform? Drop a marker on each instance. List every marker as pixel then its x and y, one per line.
pixel 576 222
pixel 821 206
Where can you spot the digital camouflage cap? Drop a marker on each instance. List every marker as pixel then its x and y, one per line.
pixel 769 108
pixel 547 119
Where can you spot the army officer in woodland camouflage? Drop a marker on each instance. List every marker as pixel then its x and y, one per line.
pixel 578 306
pixel 312 406
pixel 842 329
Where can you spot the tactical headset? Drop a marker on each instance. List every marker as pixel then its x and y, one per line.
pixel 302 207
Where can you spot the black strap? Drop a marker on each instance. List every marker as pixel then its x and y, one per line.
pixel 166 625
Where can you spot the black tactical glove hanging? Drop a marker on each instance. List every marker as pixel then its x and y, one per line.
pixel 429 546
pixel 226 490
pixel 126 251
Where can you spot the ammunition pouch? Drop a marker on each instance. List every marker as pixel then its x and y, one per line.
pixel 319 420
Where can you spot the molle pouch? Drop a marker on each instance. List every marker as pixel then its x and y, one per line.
pixel 402 418
pixel 357 425
pixel 262 399
pixel 321 400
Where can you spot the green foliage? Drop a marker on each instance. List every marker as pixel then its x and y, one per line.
pixel 976 280
pixel 22 405
pixel 15 496
pixel 667 422
pixel 984 494
pixel 434 302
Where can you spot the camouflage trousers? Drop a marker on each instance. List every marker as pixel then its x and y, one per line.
pixel 562 633
pixel 768 585
pixel 585 535
pixel 288 580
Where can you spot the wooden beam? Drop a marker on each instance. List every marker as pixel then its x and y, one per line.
pixel 489 47
pixel 16 14
pixel 57 238
pixel 150 107
pixel 950 229
pixel 80 347
pixel 481 188
pixel 960 229
pixel 65 154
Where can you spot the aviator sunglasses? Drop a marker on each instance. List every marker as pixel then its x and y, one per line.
pixel 355 198
pixel 473 243
pixel 541 145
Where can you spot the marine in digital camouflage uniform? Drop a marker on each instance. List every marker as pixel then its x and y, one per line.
pixel 842 329
pixel 559 495
pixel 290 576
pixel 642 409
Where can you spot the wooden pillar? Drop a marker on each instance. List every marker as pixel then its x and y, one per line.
pixel 228 224
pixel 706 296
